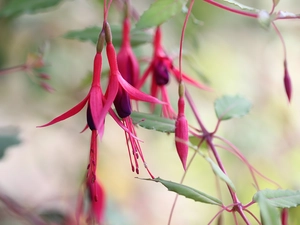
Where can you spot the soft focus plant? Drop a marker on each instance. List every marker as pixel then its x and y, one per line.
pixel 119 92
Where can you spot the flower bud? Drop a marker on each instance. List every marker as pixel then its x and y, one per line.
pixel 181 129
pixel 182 137
pixel 287 82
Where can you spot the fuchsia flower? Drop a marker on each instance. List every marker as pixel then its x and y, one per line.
pixel 94 98
pixel 160 67
pixel 181 129
pixel 99 105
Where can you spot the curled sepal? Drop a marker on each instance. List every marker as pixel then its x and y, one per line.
pixel 287 82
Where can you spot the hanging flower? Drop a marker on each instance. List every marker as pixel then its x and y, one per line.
pixel 160 67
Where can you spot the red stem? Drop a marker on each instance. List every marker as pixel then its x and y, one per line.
pixel 182 36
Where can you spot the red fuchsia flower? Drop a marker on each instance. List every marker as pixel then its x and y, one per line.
pixel 181 129
pixel 160 68
pixel 94 98
pixel 121 91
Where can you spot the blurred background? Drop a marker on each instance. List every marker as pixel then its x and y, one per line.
pixel 42 168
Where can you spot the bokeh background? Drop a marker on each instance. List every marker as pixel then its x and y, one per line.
pixel 232 54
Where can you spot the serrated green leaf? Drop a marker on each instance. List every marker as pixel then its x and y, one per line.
pixel 220 173
pixel 92 33
pixel 280 198
pixel 18 7
pixel 158 13
pixel 228 107
pixel 8 137
pixel 153 122
pixel 188 192
pixel 269 214
pixel 244 7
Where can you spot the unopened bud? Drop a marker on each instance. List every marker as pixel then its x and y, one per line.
pixel 287 82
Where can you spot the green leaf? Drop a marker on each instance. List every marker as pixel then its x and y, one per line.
pixel 158 13
pixel 269 214
pixel 220 173
pixel 187 192
pixel 8 137
pixel 228 107
pixel 53 216
pixel 244 7
pixel 153 122
pixel 280 198
pixel 18 7
pixel 92 33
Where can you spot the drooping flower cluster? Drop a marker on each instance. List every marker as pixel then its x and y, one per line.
pixel 119 91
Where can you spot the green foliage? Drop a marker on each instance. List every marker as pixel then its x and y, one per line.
pixel 228 107
pixel 8 137
pixel 220 173
pixel 53 216
pixel 153 122
pixel 269 214
pixel 187 192
pixel 92 33
pixel 159 12
pixel 280 198
pixel 18 7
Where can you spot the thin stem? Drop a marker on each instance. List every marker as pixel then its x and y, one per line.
pixel 257 220
pixel 13 69
pixel 240 12
pixel 232 193
pixel 182 37
pixel 194 109
pixel 281 39
pixel 239 154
